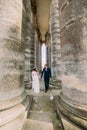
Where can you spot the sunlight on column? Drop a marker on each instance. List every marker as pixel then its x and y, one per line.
pixel 43 54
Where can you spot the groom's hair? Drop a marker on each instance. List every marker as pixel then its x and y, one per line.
pixel 46 65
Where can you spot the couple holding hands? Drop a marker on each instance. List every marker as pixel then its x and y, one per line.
pixel 46 73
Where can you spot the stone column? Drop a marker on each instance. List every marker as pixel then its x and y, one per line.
pixel 32 44
pixel 36 51
pixel 55 42
pixel 49 55
pixel 28 40
pixel 13 101
pixel 39 56
pixel 48 44
pixel 72 101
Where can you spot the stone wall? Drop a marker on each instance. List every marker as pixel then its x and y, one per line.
pixel 73 23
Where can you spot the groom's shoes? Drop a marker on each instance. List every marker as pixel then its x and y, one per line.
pixel 46 91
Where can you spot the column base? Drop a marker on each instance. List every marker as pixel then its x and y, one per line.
pixel 28 84
pixel 72 117
pixel 56 84
pixel 13 118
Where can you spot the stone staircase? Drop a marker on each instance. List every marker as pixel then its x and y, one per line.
pixel 42 115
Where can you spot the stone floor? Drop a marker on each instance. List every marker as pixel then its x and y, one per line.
pixel 42 115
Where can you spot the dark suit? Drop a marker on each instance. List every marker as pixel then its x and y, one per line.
pixel 47 74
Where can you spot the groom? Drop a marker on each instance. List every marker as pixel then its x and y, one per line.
pixel 47 75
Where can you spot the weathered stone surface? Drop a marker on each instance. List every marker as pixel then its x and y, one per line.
pixel 49 54
pixel 13 102
pixel 73 24
pixel 11 56
pixel 20 52
pixel 74 54
pixel 55 40
pixel 28 42
pixel 72 116
pixel 37 52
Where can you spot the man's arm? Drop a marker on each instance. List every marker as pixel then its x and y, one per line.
pixel 42 73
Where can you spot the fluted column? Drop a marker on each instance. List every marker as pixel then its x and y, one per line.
pixel 49 55
pixel 13 101
pixel 32 47
pixel 55 41
pixel 73 103
pixel 28 40
pixel 36 51
pixel 48 44
pixel 39 56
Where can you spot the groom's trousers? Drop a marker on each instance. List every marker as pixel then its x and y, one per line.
pixel 46 82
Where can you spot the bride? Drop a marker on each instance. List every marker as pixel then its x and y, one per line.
pixel 35 81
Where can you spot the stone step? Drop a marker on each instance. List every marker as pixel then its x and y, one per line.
pixel 42 116
pixel 37 125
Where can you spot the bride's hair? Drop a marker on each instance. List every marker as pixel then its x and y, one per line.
pixel 34 69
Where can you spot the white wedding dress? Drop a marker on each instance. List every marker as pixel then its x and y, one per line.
pixel 35 82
